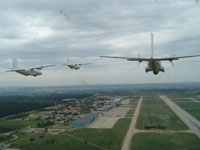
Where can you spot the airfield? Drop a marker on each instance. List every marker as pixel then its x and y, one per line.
pixel 109 118
pixel 153 120
pixel 183 124
pixel 159 116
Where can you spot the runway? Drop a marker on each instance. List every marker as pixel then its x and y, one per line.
pixel 188 119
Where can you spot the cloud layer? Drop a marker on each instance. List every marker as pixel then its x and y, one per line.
pixel 46 32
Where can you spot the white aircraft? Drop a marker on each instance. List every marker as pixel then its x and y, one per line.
pixel 34 71
pixel 74 66
pixel 154 64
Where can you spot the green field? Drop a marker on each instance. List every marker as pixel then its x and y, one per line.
pixel 61 125
pixel 110 139
pixel 133 104
pixel 191 107
pixel 18 123
pixel 130 113
pixel 4 138
pixel 156 141
pixel 49 142
pixel 88 139
pixel 181 99
pixel 129 116
pixel 155 113
pixel 179 94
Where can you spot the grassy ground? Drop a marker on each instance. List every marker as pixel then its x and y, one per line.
pixel 77 140
pixel 154 112
pixel 133 101
pixel 191 107
pixel 58 142
pixel 133 104
pixel 156 141
pixel 110 139
pixel 18 123
pixel 181 100
pixel 4 138
pixel 61 125
pixel 130 113
pixel 128 116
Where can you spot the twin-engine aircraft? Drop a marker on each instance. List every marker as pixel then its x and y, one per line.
pixel 154 64
pixel 74 66
pixel 36 71
pixel 33 71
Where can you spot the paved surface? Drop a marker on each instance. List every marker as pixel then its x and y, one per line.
pixel 188 119
pixel 195 100
pixel 108 119
pixel 127 140
pixel 125 102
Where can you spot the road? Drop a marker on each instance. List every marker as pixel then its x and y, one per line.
pixel 132 130
pixel 195 100
pixel 188 119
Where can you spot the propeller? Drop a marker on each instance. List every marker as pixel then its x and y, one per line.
pixel 138 61
pixel 172 63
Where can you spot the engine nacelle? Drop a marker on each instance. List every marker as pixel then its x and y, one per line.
pixel 147 69
pixel 162 69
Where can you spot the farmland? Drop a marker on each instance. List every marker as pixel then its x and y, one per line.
pixel 79 139
pixel 156 114
pixel 106 138
pixel 156 141
pixel 191 107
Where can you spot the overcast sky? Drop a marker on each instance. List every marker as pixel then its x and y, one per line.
pixel 43 32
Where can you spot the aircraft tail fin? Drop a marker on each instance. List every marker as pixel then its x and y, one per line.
pixel 152 48
pixel 15 64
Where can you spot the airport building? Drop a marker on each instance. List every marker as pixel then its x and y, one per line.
pixel 116 101
pixel 105 108
pixel 85 121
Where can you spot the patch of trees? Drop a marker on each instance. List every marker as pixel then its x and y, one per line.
pixel 32 139
pixel 21 115
pixel 6 129
pixel 10 108
pixel 14 104
pixel 50 141
pixel 4 138
pixel 45 124
pixel 41 136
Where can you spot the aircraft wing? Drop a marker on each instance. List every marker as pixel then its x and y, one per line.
pixel 13 70
pixel 41 67
pixel 174 58
pixel 129 58
pixel 84 64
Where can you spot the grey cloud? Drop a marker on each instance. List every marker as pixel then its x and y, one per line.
pixel 37 33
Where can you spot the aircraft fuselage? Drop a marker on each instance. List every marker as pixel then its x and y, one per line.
pixel 30 72
pixel 154 66
pixel 76 67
